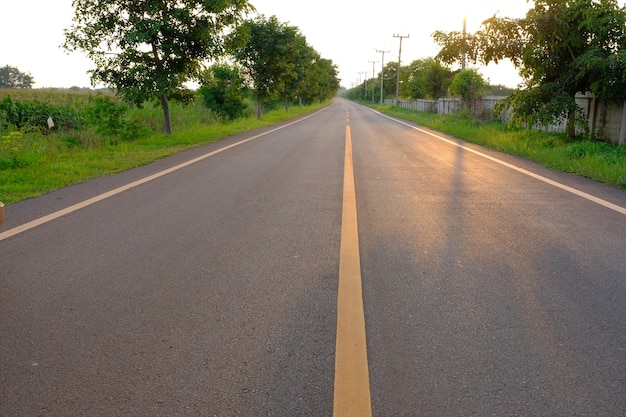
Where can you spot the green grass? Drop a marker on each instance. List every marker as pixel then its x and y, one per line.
pixel 32 164
pixel 599 161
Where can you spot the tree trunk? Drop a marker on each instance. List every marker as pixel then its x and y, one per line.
pixel 286 104
pixel 258 108
pixel 166 114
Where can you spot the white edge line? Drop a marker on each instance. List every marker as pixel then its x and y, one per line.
pixel 564 187
pixel 52 216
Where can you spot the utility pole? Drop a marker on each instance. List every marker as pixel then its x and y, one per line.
pixel 382 73
pixel 373 77
pixel 464 42
pixel 399 61
pixel 364 73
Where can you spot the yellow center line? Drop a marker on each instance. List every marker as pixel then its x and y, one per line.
pixel 352 386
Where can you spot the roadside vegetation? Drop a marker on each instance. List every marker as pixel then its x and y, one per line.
pixel 560 48
pixel 150 55
pixel 50 139
pixel 96 134
pixel 599 161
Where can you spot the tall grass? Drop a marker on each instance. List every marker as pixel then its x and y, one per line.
pixel 596 160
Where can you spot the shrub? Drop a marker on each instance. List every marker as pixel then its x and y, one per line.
pixel 109 118
pixel 10 147
pixel 223 92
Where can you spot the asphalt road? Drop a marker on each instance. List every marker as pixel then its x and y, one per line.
pixel 490 285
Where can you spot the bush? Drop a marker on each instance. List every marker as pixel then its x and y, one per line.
pixel 109 118
pixel 10 147
pixel 223 92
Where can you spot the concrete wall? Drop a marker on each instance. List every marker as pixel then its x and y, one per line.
pixel 607 122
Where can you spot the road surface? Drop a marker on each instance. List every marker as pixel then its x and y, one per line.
pixel 345 263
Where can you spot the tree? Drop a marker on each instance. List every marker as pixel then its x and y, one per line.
pixel 223 91
pixel 390 72
pixel 468 85
pixel 149 49
pixel 263 49
pixel 427 79
pixel 561 48
pixel 321 81
pixel 11 77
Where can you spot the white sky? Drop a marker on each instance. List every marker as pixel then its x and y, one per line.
pixel 346 31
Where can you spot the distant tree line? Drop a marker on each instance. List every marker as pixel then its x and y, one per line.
pixel 12 77
pixel 426 79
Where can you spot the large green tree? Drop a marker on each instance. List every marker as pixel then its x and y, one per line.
pixel 280 64
pixel 321 81
pixel 427 79
pixel 267 50
pixel 468 85
pixel 561 48
pixel 148 49
pixel 12 77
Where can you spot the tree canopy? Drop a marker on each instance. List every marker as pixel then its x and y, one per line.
pixel 428 79
pixel 149 49
pixel 560 48
pixel 12 77
pixel 279 63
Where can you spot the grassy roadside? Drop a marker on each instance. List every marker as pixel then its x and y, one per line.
pixel 599 161
pixel 50 162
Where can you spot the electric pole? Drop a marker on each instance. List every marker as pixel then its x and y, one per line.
pixel 399 61
pixel 364 73
pixel 382 73
pixel 373 77
pixel 464 42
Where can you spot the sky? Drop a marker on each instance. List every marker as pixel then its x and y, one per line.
pixel 346 31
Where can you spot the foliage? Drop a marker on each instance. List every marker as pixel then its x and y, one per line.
pixel 468 85
pixel 26 115
pixel 10 150
pixel 265 49
pixel 427 79
pixel 109 118
pixel 319 81
pixel 279 63
pixel 223 91
pixel 561 47
pixel 390 73
pixel 12 77
pixel 498 90
pixel 83 119
pixel 421 79
pixel 149 49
